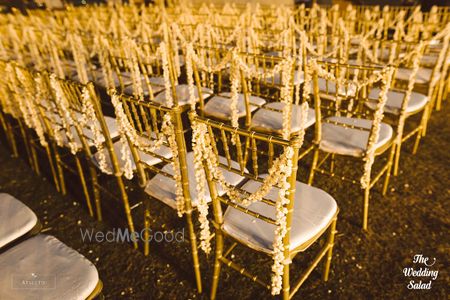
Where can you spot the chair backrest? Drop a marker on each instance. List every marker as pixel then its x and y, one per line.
pixel 156 131
pixel 83 122
pixel 347 93
pixel 27 93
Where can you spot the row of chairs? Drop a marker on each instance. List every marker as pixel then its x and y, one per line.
pixel 349 118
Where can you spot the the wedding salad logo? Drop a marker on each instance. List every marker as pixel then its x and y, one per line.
pixel 421 274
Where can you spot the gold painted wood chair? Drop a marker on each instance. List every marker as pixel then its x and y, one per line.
pixel 346 129
pixel 155 131
pixel 91 133
pixel 404 103
pixel 19 89
pixel 217 69
pixel 255 210
pixel 277 80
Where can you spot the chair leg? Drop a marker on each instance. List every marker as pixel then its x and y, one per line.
pixel 194 250
pixel 62 182
pixel 428 110
pixel 389 169
pixel 330 243
pixel 440 95
pixel 286 283
pixel 126 206
pixel 217 264
pixel 332 163
pixel 366 207
pixel 417 141
pixel 147 229
pixel 446 90
pixel 12 140
pixel 420 132
pixel 26 144
pixel 313 166
pixel 83 184
pixel 94 179
pixel 398 148
pixel 52 168
pixel 34 158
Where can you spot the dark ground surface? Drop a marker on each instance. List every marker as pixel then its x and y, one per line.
pixel 412 219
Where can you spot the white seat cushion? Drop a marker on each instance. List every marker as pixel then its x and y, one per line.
pixel 111 124
pixel 163 188
pixel 429 59
pixel 313 211
pixel 16 219
pixel 267 120
pixel 423 75
pixel 395 101
pixel 329 88
pixel 347 141
pixel 182 91
pixel 163 151
pixel 42 267
pixel 156 83
pixel 219 106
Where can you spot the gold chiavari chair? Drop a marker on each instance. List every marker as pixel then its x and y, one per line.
pixel 32 97
pixel 157 132
pixel 147 78
pixel 277 80
pixel 60 123
pixel 404 103
pixel 346 129
pixel 22 122
pixel 217 70
pixel 93 134
pixel 255 210
pixel 429 81
pixel 178 93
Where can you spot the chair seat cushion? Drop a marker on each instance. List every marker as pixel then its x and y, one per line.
pixel 429 60
pixel 394 102
pixel 156 83
pixel 220 106
pixel 182 91
pixel 299 78
pixel 111 124
pixel 16 219
pixel 148 159
pixel 423 75
pixel 313 211
pixel 351 141
pixel 267 120
pixel 60 271
pixel 163 188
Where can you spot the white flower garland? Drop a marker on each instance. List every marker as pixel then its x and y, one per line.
pixel 369 156
pixel 63 108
